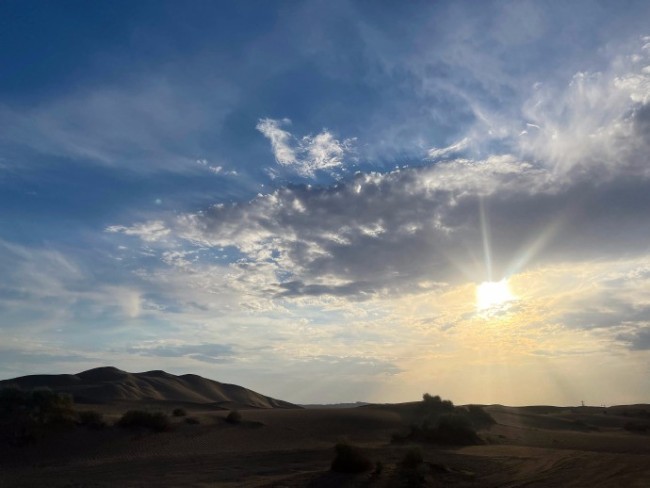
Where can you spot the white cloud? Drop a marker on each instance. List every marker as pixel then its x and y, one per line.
pixel 307 155
pixel 280 140
pixel 151 231
pixel 452 150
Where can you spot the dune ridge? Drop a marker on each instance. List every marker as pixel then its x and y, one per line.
pixel 111 385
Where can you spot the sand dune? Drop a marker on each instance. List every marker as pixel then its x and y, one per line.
pixel 108 385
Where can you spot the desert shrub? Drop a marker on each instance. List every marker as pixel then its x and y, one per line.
pixel 436 404
pixel 192 420
pixel 412 459
pixel 479 417
pixel 91 419
pixel 49 408
pixel 350 459
pixel 454 428
pixel 27 415
pixel 156 421
pixel 43 406
pixel 234 417
pixel 179 412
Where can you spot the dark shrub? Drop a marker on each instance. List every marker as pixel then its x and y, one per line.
pixel 412 459
pixel 91 419
pixel 350 459
pixel 156 421
pixel 49 408
pixel 192 420
pixel 479 417
pixel 27 415
pixel 179 412
pixel 234 417
pixel 436 404
pixel 43 407
pixel 455 428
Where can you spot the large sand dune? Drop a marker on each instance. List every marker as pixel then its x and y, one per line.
pixel 108 385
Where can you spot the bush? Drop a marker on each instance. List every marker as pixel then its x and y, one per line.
pixel 454 428
pixel 350 459
pixel 435 403
pixel 91 419
pixel 234 417
pixel 44 407
pixel 479 417
pixel 412 459
pixel 179 412
pixel 27 415
pixel 155 421
pixel 192 420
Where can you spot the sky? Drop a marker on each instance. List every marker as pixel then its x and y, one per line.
pixel 330 201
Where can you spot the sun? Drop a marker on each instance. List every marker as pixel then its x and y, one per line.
pixel 492 294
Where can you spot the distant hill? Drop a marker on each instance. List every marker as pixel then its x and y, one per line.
pixel 111 385
pixel 335 405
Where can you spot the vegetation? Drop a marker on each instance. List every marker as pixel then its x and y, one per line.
pixel 91 420
pixel 479 417
pixel 350 459
pixel 155 421
pixel 234 417
pixel 179 412
pixel 439 421
pixel 412 469
pixel 192 420
pixel 26 415
pixel 412 459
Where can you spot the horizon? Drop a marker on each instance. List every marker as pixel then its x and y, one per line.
pixel 350 402
pixel 396 199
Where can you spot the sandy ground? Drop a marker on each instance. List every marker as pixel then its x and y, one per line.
pixel 294 448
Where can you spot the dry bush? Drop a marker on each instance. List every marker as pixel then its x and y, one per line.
pixel 350 459
pixel 91 420
pixel 155 421
pixel 234 417
pixel 179 412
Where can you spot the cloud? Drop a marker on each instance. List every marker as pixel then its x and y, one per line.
pixel 638 340
pixel 446 152
pixel 149 125
pixel 307 155
pixel 209 353
pixel 384 233
pixel 599 120
pixel 151 231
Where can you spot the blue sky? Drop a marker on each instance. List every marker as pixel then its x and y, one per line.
pixel 303 197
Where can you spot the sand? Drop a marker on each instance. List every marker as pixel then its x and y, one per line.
pixel 532 447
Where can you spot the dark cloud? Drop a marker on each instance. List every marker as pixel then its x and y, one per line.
pixel 390 232
pixel 638 340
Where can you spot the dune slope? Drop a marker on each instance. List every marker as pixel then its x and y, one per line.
pixel 110 385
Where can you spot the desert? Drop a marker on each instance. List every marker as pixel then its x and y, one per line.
pixel 272 443
pixel 324 243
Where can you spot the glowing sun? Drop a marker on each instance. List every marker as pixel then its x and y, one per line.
pixel 491 294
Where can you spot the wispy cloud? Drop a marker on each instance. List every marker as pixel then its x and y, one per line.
pixel 306 155
pixel 151 231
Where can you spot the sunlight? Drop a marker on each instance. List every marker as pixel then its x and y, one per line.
pixel 491 294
